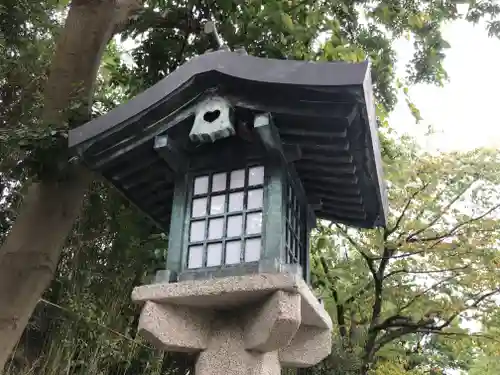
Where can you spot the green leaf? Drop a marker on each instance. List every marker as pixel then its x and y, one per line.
pixel 287 21
pixel 415 21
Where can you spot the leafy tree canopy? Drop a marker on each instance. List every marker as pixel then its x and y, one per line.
pixel 397 296
pixel 409 291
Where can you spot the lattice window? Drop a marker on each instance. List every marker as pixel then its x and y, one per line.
pixel 226 218
pixel 295 222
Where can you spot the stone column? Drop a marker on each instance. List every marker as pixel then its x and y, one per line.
pixel 245 325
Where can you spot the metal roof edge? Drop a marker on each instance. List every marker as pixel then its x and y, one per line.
pixel 257 69
pixel 371 118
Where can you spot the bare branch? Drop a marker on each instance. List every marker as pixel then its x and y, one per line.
pixel 144 19
pixel 462 334
pixel 411 238
pixel 426 326
pixel 425 271
pixel 368 258
pixel 405 255
pixel 476 303
pixel 425 291
pixel 359 293
pixel 422 211
pixel 388 232
pixel 426 250
pixel 443 211
pixel 393 335
pixel 348 237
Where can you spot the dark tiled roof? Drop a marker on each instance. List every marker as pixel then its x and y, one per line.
pixel 324 108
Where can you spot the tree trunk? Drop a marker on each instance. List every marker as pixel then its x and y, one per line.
pixel 30 253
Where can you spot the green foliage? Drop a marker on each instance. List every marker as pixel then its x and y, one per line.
pixel 88 324
pixel 347 30
pixel 111 249
pixel 486 358
pixel 487 10
pixel 486 365
pixel 26 43
pixel 400 296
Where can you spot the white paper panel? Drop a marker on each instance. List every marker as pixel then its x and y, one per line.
pixel 256 176
pixel 214 254
pixel 255 198
pixel 252 250
pixel 215 228
pixel 236 202
pixel 219 182
pixel 254 223
pixel 217 204
pixel 201 185
pixel 234 225
pixel 233 252
pixel 195 257
pixel 199 207
pixel 197 231
pixel 237 179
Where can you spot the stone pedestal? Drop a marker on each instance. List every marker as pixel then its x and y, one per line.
pixel 242 325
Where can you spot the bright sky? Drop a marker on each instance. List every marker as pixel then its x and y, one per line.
pixel 464 111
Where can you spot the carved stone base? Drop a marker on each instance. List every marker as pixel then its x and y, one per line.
pixel 227 353
pixel 245 325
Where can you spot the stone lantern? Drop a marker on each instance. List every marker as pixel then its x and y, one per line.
pixel 235 157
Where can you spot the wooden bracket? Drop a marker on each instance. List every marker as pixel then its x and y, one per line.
pixel 171 152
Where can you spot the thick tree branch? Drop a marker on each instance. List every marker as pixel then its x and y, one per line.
pixel 390 321
pixel 405 255
pixel 128 11
pixel 376 308
pixel 339 307
pixel 369 349
pixel 398 321
pixel 386 256
pixel 393 335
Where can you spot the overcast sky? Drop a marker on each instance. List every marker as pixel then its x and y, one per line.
pixel 465 111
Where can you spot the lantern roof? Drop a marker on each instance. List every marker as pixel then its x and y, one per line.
pixel 322 110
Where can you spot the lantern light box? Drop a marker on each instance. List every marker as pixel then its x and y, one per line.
pixel 236 156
